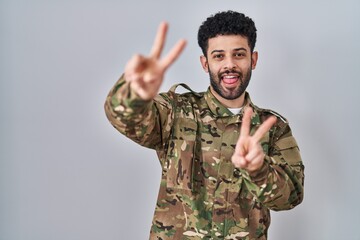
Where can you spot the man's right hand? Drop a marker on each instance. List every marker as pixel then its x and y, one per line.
pixel 146 73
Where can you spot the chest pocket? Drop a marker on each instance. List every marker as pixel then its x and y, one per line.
pixel 181 159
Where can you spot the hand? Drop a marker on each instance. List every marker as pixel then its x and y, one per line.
pixel 249 154
pixel 146 73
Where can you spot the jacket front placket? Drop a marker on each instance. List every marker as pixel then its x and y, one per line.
pixel 229 180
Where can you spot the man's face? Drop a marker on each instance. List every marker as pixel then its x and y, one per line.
pixel 229 63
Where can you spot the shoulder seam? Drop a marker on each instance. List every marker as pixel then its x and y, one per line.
pixel 276 114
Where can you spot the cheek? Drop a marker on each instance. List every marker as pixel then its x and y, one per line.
pixel 215 68
pixel 245 66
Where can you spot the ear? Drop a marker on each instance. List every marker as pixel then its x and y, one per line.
pixel 204 63
pixel 254 58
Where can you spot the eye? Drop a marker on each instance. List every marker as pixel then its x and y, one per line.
pixel 239 54
pixel 218 56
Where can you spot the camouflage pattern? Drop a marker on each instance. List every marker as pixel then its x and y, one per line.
pixel 202 195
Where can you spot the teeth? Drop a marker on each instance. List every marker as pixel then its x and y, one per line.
pixel 230 77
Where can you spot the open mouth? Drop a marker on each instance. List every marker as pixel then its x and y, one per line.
pixel 230 79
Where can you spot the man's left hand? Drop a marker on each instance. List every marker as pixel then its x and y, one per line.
pixel 249 154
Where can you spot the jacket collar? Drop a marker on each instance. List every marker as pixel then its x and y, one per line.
pixel 219 110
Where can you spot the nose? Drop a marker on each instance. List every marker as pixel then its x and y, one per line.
pixel 229 64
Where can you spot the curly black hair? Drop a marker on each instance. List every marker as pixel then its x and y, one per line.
pixel 226 23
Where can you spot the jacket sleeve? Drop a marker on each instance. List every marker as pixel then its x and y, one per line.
pixel 279 183
pixel 145 122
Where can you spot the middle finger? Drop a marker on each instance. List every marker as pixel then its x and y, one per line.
pixel 159 40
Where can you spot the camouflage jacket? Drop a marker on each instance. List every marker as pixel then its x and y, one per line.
pixel 202 195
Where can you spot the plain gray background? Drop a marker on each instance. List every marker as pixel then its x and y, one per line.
pixel 66 174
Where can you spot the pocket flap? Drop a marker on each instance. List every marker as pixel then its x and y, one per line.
pixel 286 143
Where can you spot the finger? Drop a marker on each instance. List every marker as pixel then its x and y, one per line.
pixel 173 54
pixel 240 148
pixel 245 125
pixel 135 65
pixel 255 153
pixel 239 162
pixel 264 128
pixel 256 162
pixel 159 40
pixel 253 167
pixel 136 84
pixel 133 77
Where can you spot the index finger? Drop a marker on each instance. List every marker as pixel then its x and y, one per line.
pixel 245 125
pixel 264 128
pixel 159 40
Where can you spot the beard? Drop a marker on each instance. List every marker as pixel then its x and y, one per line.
pixel 230 94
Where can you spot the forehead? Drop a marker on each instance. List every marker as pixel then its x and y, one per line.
pixel 227 43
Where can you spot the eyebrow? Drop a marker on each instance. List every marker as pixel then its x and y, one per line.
pixel 240 49
pixel 236 49
pixel 214 51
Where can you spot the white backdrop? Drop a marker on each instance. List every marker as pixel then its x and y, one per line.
pixel 66 174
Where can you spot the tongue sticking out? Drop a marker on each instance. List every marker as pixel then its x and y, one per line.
pixel 229 79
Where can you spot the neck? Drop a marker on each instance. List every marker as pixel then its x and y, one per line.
pixel 234 103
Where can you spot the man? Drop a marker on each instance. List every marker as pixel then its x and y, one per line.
pixel 225 162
